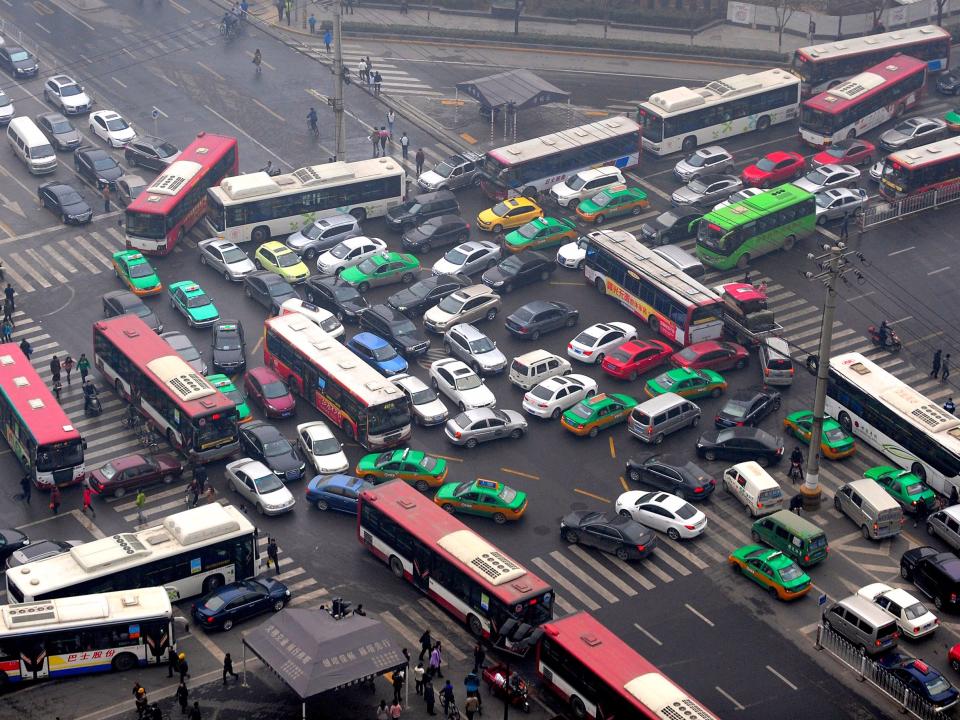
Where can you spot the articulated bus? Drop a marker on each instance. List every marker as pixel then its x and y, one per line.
pixel 822 66
pixel 36 428
pixel 106 632
pixel 917 170
pixel 683 118
pixel 165 211
pixel 736 234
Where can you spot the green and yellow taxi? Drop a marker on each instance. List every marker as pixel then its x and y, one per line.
pixel 193 303
pixel 952 118
pixel 687 383
pixel 771 569
pixel 903 486
pixel 540 233
pixel 835 442
pixel 414 466
pixel 383 268
pixel 511 213
pixel 613 202
pixel 225 385
pixel 486 498
pixel 278 258
pixel 591 415
pixel 136 272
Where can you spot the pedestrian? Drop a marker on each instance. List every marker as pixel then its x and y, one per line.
pixel 182 694
pixel 57 388
pixel 193 495
pixel 404 7
pixel 312 22
pixel 9 293
pixel 349 7
pixel 228 668
pixel 397 685
pixel 6 330
pixel 945 368
pixel 429 697
pixel 26 486
pixel 395 709
pixel 746 278
pixel 362 70
pixel 173 663
pixel 382 712
pixel 140 502
pixel 420 158
pixel 105 194
pixel 327 39
pixel 88 501
pixel 936 363
pixel 25 347
pixel 183 667
pixel 55 366
pixel 479 655
pixel 68 366
pixel 921 513
pixel 471 684
pixel 369 70
pixel 55 500
pixel 8 310
pixel 140 698
pixel 195 711
pixel 273 555
pixel 375 139
pixel 471 706
pixel 280 6
pixel 796 503
pixel 391 119
pixel 383 140
pixel 950 407
pixel 200 475
pixel 446 697
pixel 377 86
pixel 289 10
pixel 426 645
pixel 405 145
pixel 436 660
pixel 418 672
pixel 844 227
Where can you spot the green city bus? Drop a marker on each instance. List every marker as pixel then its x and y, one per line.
pixel 733 235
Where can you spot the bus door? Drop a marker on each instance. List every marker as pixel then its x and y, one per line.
pixel 156 635
pixel 33 660
pixel 421 567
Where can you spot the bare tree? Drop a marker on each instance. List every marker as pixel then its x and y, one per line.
pixel 784 10
pixel 940 4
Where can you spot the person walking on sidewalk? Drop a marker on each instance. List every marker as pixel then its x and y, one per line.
pixel 6 331
pixel 844 227
pixel 273 555
pixel 289 10
pixel 395 709
pixel 377 86
pixel 471 706
pixel 9 294
pixel 183 667
pixel 182 695
pixel 375 139
pixel 420 158
pixel 945 368
pixel 280 7
pixel 935 371
pixel 391 119
pixel 327 39
pixel 397 685
pixel 8 310
pixel 26 486
pixel 426 645
pixel 382 712
pixel 405 145
pixel 140 501
pixel 68 366
pixel 195 712
pixel 436 660
pixel 55 500
pixel 418 672
pixel 479 655
pixel 88 501
pixel 140 699
pixel 429 697
pixel 228 668
pixel 312 22
pixel 362 70
pixel 383 140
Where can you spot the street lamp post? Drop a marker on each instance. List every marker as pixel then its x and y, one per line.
pixel 341 138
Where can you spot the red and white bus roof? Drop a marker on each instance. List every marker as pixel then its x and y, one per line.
pixel 503 577
pixel 850 47
pixel 194 395
pixel 931 154
pixel 873 80
pixel 569 139
pixel 601 651
pixel 32 400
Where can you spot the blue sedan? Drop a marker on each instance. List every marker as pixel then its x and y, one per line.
pixel 336 492
pixel 221 608
pixel 923 679
pixel 377 352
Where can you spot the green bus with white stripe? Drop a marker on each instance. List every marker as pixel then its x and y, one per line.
pixel 734 235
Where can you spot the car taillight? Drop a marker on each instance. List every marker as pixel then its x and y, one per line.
pixel 588 353
pixel 210 619
pixel 698 490
pixel 641 548
pixel 541 405
pixel 953 597
pixel 468 226
pixel 916 630
pixel 779 452
pixel 457 434
pixel 791 372
pixel 740 424
pixel 569 346
pixel 877 642
pixel 649 429
pixel 690 527
pixel 913 502
pixel 876 527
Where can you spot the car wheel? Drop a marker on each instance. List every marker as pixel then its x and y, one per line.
pixel 836 502
pixel 776 404
pixel 278 605
pixel 772 592
pixel 930 530
pixel 406 277
pixel 626 514
pixel 425 248
pixel 323 505
pixel 748 511
pixel 535 335
pixel 260 510
pixel 695 421
pixel 755 536
pixel 634 475
pixel 555 415
pixel 491 313
pixel 167 479
pixel 247 292
pixel 571 321
pixel 508 288
pixel 363 287
pixel 475 627
pixel 64 220
pixel 421 485
pixel 763 461
pixel 119 492
pixel 471 443
pixel 658 439
pixel 904 572
pixel 938 602
pixel 593 432
pixel 516 434
pixel 499 518
pixel 865 532
pixel 598 220
pixel 498 228
pixel 740 364
pixel 716 392
pixel 599 358
pixel 571 536
pixel 673 534
pixel 622 553
pixel 449 508
pixel 544 275
pixel 710 455
pixel 227 625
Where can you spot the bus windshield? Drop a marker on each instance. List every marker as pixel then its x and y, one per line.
pixel 652 126
pixel 146 225
pixel 65 454
pixel 389 416
pixel 713 237
pixel 816 120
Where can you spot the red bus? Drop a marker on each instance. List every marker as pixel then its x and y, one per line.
pixel 928 167
pixel 443 558
pixel 366 406
pixel 603 678
pixel 37 429
pixel 182 405
pixel 863 102
pixel 163 213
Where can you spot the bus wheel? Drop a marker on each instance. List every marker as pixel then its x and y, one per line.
pixel 212 583
pixel 654 322
pixel 359 213
pixel 789 242
pixel 396 567
pixel 743 261
pixel 763 123
pixel 918 470
pixel 689 143
pixel 124 662
pixel 845 422
pixel 260 234
pixel 600 285
pixel 476 629
pixel 577 708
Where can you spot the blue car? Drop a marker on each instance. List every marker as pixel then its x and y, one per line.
pixel 928 682
pixel 221 608
pixel 377 352
pixel 336 492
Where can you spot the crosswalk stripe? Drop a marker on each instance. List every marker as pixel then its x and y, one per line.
pixel 421 622
pixel 302 584
pixel 308 597
pixel 630 571
pixel 92 252
pixel 18 279
pixel 60 259
pixel 564 605
pixel 179 491
pixel 652 567
pixel 583 577
pixel 28 268
pixel 564 583
pixel 104 243
pixel 68 248
pixel 412 638
pixel 663 553
pixel 678 547
pixel 40 262
pixel 602 569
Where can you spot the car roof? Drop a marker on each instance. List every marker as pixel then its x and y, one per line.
pixel 340 480
pixel 478 414
pixel 369 340
pixel 409 382
pixel 469 332
pixel 125 461
pixel 535 306
pixel 263 374
pixel 262 429
pixel 778 155
pixel 712 150
pixel 471 291
pixel 340 219
pixel 63 80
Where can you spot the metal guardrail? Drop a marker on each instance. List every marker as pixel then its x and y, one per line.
pixel 873 672
pixel 887 211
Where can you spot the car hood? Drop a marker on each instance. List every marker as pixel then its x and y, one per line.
pixel 77 208
pixel 278 498
pixel 243 267
pixel 204 312
pixel 895 137
pixel 354 275
pixel 76 100
pixel 285 462
pixel 493 358
pixel 431 178
pixel 114 173
pixel 495 276
pixel 570 251
pixel 480 396
pixel 404 298
pixel 228 355
pixel 805 184
pixel 330 464
pixel 68 138
pixel 434 408
pixel 445 267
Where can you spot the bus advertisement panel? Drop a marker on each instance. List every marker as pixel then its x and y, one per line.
pixel 454 566
pixel 256 207
pixel 683 118
pixel 160 216
pixel 36 428
pixel 928 167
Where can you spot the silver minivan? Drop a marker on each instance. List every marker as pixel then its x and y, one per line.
pixel 775 361
pixel 870 506
pixel 945 524
pixel 863 624
pixel 654 419
pixel 682 260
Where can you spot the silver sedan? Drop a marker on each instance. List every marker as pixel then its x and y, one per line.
pixel 476 426
pixel 707 190
pixel 839 203
pixel 226 258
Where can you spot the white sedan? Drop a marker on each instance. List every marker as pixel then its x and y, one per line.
pixel 348 253
pixel 322 449
pixel 110 127
pixel 573 254
pixel 593 344
pixel 664 512
pixel 462 385
pixel 428 409
pixel 550 397
pixel 911 615
pixel 260 486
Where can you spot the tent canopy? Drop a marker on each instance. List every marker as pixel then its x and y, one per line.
pixel 521 88
pixel 313 653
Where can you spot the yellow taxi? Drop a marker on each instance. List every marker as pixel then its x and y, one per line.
pixel 511 213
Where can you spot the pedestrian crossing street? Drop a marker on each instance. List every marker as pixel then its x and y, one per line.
pixel 395 80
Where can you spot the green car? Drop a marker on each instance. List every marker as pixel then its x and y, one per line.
pixel 589 416
pixel 612 202
pixel 540 233
pixel 136 272
pixel 903 486
pixel 414 466
pixel 487 498
pixel 225 385
pixel 835 442
pixel 687 383
pixel 382 269
pixel 195 305
pixel 771 569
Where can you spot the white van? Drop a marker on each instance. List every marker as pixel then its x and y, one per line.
pixel 31 146
pixel 754 488
pixel 531 368
pixel 324 319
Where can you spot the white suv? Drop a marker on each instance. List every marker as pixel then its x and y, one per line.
pixel 67 94
pixel 585 184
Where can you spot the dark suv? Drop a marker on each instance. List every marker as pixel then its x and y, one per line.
pixel 936 574
pixel 416 299
pixel 396 328
pixel 423 207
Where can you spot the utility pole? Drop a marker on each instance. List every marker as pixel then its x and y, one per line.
pixel 341 142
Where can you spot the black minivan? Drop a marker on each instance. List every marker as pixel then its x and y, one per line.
pixel 423 207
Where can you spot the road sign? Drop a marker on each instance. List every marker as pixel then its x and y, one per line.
pixel 822 600
pixel 155 113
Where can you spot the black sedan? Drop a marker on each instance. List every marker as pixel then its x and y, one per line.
pixel 948 83
pixel 65 202
pixel 747 407
pixel 739 444
pixel 679 477
pixel 268 289
pixel 518 270
pixel 150 152
pixel 220 609
pixel 229 348
pixel 18 62
pixel 97 167
pixel 416 299
pixel 530 321
pixel 343 300
pixel 615 534
pixel 262 441
pixel 123 302
pixel 676 224
pixel 436 232
pixel 10 541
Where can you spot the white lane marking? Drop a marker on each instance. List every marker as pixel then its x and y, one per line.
pixel 939 270
pixel 902 250
pixel 29 269
pixel 255 141
pixel 703 617
pixel 584 578
pixel 104 243
pixel 391 620
pixel 179 7
pixel 679 548
pixel 68 248
pixel 727 695
pixel 118 82
pixel 43 28
pixel 43 263
pixel 18 279
pixel 307 597
pixel 657 571
pixel 266 109
pixel 602 569
pixel 647 634
pixel 663 554
pixel 60 259
pixel 903 319
pixel 211 71
pixel 787 682
pixel 860 297
pixel 565 584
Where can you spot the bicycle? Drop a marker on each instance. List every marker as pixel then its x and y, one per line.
pixel 148 439
pixel 314 128
pixel 230 30
pixel 131 419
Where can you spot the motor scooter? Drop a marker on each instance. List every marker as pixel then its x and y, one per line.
pixel 893 340
pixel 91 401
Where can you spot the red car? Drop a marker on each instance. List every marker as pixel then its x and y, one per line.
pixel 774 168
pixel 712 355
pixel 130 472
pixel 852 151
pixel 265 387
pixel 954 657
pixel 635 357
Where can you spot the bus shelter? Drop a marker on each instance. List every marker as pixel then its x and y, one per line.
pixel 508 93
pixel 314 653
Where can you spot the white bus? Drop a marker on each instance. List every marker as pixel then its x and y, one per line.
pixel 87 634
pixel 532 166
pixel 913 431
pixel 258 207
pixel 683 118
pixel 189 553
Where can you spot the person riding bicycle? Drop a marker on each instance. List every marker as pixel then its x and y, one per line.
pixel 230 23
pixel 133 417
pixel 257 59
pixel 312 119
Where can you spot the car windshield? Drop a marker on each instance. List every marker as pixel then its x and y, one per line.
pixel 467 382
pixel 104 163
pixel 937 685
pixel 906 128
pixel 23 55
pixel 603 199
pixel 428 463
pixel 665 381
pixel 512 264
pixel 698 186
pixel 4 100
pixel 529 230
pixel 340 251
pixel 189 353
pixel 234 255
pixel 482 345
pixel 837 151
pixel 288 259
pixel 790 573
pixel 108 471
pixel 117 123
pixel 311 231
pixel 367 267
pixel 450 304
pixel 197 301
pixel 422 397
pixel 228 341
pixel 61 126
pixel 276 447
pixel 835 435
pixel 325 446
pixel 274 389
pixel 267 484
pixel 501 209
pixel 575 183
pixel 344 292
pixel 140 310
pixel 140 270
pixel 443 169
pixel 384 352
pixel 915 611
pixel 766 164
pixel 816 177
pixel 823 200
pixel 166 149
pixel 696 160
pixel 455 256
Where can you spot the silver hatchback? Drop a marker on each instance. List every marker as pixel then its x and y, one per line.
pixel 476 426
pixel 478 351
pixel 322 234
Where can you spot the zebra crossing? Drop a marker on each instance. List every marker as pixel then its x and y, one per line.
pixel 395 80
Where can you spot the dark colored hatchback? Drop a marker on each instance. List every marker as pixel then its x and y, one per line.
pixel 612 533
pixel 518 270
pixel 747 407
pixel 416 299
pixel 268 289
pixel 739 444
pixel 343 300
pixel 220 609
pixel 530 321
pixel 97 166
pixel 681 478
pixel 396 328
pixel 436 232
pixel 672 226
